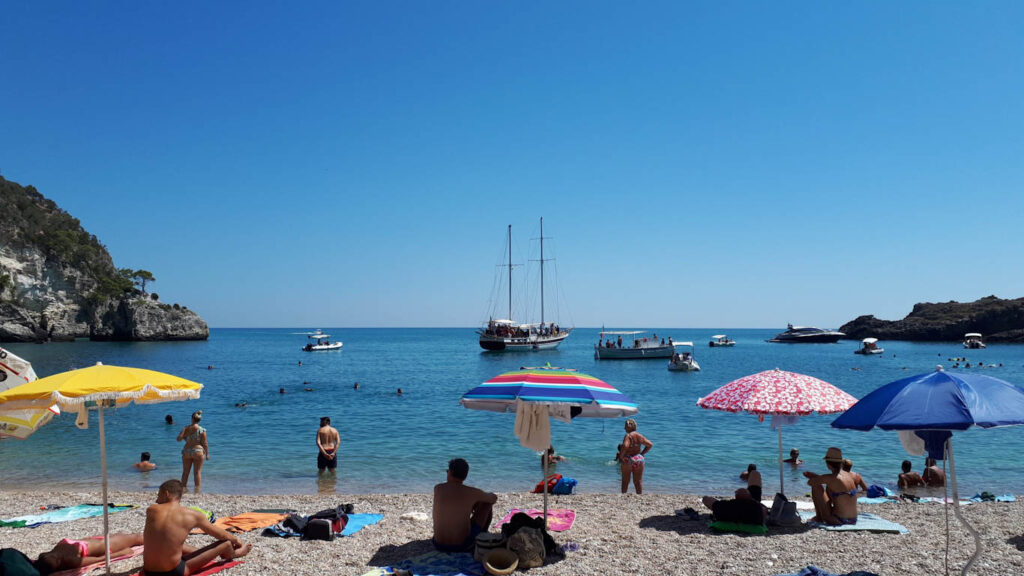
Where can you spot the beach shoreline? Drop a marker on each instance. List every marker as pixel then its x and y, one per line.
pixel 616 534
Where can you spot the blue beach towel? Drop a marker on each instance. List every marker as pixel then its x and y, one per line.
pixel 865 522
pixel 877 500
pixel 62 515
pixel 435 564
pixel 356 522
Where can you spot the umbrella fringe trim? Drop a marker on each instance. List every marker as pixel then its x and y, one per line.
pixel 119 397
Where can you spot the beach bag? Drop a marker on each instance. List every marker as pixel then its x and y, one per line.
pixel 487 541
pixel 15 563
pixel 876 491
pixel 552 481
pixel 336 516
pixel 564 486
pixel 528 544
pixel 783 512
pixel 295 523
pixel 318 529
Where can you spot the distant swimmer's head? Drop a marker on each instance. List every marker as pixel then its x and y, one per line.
pixel 458 468
pixel 170 491
pixel 794 453
pixel 197 416
pixel 144 457
pixel 630 425
pixel 751 467
pixel 325 421
pixel 169 419
pixel 906 465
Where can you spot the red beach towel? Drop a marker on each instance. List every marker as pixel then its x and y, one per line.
pixel 559 519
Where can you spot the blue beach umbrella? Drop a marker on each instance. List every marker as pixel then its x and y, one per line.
pixel 933 405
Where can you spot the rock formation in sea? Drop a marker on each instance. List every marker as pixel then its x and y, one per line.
pixel 998 320
pixel 57 282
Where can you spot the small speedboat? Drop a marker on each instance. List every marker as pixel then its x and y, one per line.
pixel 869 346
pixel 721 340
pixel 807 334
pixel 682 360
pixel 320 341
pixel 972 340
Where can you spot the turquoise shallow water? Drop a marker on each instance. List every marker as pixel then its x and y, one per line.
pixel 402 444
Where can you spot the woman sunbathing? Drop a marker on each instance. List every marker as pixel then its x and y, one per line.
pixel 69 553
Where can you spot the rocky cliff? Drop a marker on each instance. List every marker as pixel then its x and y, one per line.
pixel 996 319
pixel 57 282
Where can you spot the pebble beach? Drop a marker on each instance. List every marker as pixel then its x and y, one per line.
pixel 616 535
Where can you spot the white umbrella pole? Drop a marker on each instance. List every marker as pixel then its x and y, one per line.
pixel 956 509
pixel 103 468
pixel 782 485
pixel 545 482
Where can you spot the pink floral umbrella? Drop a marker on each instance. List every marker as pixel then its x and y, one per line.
pixel 778 393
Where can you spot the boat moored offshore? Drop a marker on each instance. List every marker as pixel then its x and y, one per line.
pixel 638 348
pixel 807 334
pixel 972 340
pixel 869 346
pixel 319 341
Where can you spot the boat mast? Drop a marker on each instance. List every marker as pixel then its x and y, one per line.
pixel 542 273
pixel 510 272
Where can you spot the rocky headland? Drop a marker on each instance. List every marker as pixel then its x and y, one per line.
pixel 997 319
pixel 58 282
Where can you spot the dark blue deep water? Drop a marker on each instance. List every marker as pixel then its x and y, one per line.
pixel 402 444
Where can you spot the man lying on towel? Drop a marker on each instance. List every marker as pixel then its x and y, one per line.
pixel 167 526
pixel 743 510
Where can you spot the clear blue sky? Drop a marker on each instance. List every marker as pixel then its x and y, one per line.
pixel 729 164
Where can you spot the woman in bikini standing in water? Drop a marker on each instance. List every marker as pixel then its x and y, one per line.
pixel 196 450
pixel 631 457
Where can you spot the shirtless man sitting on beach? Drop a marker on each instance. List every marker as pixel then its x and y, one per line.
pixel 834 494
pixel 327 440
pixel 460 511
pixel 168 524
pixel 909 478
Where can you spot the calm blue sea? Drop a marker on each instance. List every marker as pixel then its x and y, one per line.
pixel 402 444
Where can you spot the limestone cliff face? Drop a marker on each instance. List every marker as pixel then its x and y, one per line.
pixel 998 320
pixel 57 282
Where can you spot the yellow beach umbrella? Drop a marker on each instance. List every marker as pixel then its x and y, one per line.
pixel 98 387
pixel 16 371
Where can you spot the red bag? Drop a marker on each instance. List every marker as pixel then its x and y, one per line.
pixel 552 480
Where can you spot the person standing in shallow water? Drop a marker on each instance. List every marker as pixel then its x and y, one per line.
pixel 631 457
pixel 195 452
pixel 327 441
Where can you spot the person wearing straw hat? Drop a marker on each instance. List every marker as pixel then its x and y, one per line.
pixel 834 494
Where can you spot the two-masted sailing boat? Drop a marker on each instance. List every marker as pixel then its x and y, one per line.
pixel 508 334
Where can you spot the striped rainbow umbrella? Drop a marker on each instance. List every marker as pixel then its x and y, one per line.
pixel 591 397
pixel 560 393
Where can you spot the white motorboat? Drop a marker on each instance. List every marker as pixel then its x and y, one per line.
pixel 683 360
pixel 319 341
pixel 721 340
pixel 639 348
pixel 869 346
pixel 506 334
pixel 972 340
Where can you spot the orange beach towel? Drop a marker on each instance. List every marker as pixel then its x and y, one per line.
pixel 246 522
